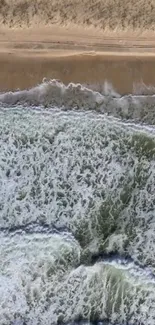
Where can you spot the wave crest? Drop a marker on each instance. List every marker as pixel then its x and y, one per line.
pixel 102 99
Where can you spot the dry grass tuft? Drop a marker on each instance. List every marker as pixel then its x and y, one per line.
pixel 103 14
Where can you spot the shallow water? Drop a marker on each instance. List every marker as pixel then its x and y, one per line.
pixel 77 217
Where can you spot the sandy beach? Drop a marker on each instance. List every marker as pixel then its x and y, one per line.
pixel 88 41
pixel 75 54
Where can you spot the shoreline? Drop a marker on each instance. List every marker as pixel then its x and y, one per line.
pixel 28 56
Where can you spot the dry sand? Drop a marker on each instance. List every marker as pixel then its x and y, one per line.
pixel 88 41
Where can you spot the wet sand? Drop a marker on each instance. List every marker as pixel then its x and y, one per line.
pixel 77 55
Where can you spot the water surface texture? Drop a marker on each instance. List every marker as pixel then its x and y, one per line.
pixel 77 207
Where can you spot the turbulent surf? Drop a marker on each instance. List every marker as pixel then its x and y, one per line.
pixel 77 206
pixel 53 93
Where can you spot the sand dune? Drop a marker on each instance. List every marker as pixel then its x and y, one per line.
pixel 103 14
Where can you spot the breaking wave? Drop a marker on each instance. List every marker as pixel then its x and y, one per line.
pixel 77 206
pixel 77 97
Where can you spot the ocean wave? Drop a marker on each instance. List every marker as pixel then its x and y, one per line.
pixel 41 281
pixel 91 176
pixel 75 190
pixel 102 99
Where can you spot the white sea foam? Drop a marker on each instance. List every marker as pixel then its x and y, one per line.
pixel 75 96
pixel 40 282
pixel 95 177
